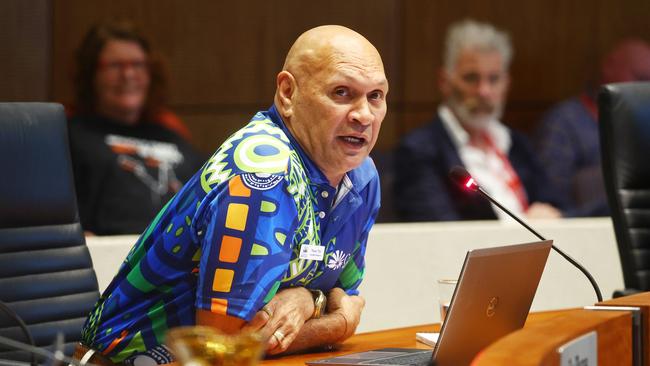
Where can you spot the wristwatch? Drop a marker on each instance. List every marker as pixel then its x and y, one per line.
pixel 319 303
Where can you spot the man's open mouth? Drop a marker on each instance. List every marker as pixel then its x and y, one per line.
pixel 357 141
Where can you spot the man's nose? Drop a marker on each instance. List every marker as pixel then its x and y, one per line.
pixel 485 88
pixel 128 70
pixel 361 112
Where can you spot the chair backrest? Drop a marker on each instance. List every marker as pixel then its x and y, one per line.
pixel 46 273
pixel 624 113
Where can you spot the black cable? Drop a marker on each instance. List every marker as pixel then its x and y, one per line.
pixel 463 179
pixel 12 314
pixel 41 352
pixel 582 269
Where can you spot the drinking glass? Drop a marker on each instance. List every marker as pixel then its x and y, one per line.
pixel 446 289
pixel 207 346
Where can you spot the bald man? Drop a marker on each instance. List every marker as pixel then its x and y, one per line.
pixel 270 234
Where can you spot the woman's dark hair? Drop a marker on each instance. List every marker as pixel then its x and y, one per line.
pixel 87 58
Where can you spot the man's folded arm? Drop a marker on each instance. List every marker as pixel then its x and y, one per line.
pixel 327 330
pixel 339 323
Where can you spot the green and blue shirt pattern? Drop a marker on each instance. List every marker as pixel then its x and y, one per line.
pixel 231 238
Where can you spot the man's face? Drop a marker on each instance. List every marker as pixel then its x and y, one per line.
pixel 122 77
pixel 338 110
pixel 476 89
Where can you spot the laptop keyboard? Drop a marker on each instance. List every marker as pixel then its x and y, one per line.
pixel 420 358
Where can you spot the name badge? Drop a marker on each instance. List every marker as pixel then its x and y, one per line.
pixel 312 252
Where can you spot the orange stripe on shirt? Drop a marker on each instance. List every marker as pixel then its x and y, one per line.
pixel 115 342
pixel 222 281
pixel 219 306
pixel 236 188
pixel 236 216
pixel 230 247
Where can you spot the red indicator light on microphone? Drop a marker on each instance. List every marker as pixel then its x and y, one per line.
pixel 461 177
pixel 470 183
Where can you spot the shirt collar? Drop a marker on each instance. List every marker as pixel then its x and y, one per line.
pixel 359 177
pixel 314 173
pixel 497 131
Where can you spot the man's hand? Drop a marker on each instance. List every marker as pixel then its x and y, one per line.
pixel 539 210
pixel 349 307
pixel 286 320
pixel 282 318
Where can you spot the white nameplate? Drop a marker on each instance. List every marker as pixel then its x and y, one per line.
pixel 312 252
pixel 582 351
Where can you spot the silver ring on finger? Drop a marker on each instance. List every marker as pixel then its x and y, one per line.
pixel 279 336
pixel 267 311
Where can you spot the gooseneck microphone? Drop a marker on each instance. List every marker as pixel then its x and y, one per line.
pixel 461 176
pixel 56 358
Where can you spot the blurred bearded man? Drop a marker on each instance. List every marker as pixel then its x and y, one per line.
pixel 466 131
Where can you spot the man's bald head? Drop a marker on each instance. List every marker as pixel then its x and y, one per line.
pixel 331 96
pixel 320 46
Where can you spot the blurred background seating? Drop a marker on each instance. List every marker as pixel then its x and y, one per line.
pixel 624 110
pixel 46 272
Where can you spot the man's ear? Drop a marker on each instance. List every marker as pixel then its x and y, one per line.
pixel 285 91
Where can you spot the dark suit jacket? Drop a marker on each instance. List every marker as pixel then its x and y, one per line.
pixel 424 192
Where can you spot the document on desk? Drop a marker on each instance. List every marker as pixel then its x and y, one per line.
pixel 427 338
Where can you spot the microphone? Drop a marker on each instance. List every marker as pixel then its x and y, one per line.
pixel 16 318
pixel 461 176
pixel 57 357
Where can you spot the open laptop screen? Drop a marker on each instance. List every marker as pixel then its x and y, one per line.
pixel 495 290
pixel 494 293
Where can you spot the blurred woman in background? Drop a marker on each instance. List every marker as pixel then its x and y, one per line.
pixel 130 153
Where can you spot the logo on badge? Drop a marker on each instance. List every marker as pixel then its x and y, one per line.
pixel 261 181
pixel 337 260
pixel 492 307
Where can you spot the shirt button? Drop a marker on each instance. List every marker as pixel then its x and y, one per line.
pixel 321 214
pixel 324 194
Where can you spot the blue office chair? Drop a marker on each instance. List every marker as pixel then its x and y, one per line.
pixel 46 273
pixel 624 113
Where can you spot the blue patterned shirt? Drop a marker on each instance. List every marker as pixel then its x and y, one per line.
pixel 231 238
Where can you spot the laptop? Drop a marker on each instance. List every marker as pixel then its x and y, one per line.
pixel 492 298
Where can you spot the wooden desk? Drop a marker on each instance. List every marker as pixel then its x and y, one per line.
pixel 641 300
pixel 437 250
pixel 401 338
pixel 537 343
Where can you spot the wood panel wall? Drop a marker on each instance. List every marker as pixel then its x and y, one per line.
pixel 557 45
pixel 25 30
pixel 223 55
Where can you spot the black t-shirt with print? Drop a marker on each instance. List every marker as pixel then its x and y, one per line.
pixel 125 174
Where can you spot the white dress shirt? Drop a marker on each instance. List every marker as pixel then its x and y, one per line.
pixel 487 167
